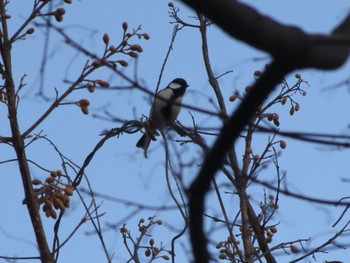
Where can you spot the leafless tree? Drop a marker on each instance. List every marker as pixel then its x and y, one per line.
pixel 249 232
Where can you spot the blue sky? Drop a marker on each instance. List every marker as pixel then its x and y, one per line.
pixel 120 170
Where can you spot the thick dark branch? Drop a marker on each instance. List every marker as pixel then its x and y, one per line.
pixel 291 48
pixel 283 42
pixel 18 142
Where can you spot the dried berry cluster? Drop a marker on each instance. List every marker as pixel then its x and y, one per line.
pixel 53 194
pixel 124 47
pixel 150 250
pixel 285 96
pixel 84 104
pixel 226 249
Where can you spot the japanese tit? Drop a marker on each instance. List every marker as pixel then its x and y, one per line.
pixel 165 109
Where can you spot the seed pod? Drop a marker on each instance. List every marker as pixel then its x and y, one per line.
pixel 297 107
pixel 257 73
pixel 48 213
pixel 133 54
pixel 283 100
pixel 96 63
pixel 151 242
pixel 41 200
pixel 30 31
pixel 67 203
pixel 53 214
pixel 68 190
pixel 256 157
pixel 91 88
pixel 283 144
pixel 298 76
pixel 49 180
pixel 123 229
pixel 84 102
pixel 36 182
pixel 123 63
pixel 291 111
pixel 294 249
pixel 146 36
pixel 59 203
pixel 148 252
pixel 159 222
pixel 165 257
pixel 105 39
pixel 142 229
pixel 60 11
pixel 219 245
pixel 85 110
pixel 102 83
pixel 273 229
pixel 68 1
pixel 171 4
pixel 112 48
pixel 155 251
pixel 125 26
pixel 104 61
pixel 233 98
pixel 136 47
pixel 59 18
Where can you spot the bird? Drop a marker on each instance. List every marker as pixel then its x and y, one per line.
pixel 165 110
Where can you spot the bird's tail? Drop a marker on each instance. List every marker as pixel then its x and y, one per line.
pixel 144 143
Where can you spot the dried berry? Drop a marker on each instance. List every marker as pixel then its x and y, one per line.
pixel 105 39
pixel 60 11
pixel 233 97
pixel 102 83
pixel 273 229
pixel 30 31
pixel 59 18
pixel 125 26
pixel 291 111
pixel 123 63
pixel 283 144
pixel 257 73
pixel 36 182
pixel 146 36
pixel 294 249
pixel 283 100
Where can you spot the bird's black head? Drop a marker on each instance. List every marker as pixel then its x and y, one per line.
pixel 181 82
pixel 179 86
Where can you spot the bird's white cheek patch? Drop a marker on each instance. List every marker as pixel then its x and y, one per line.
pixel 174 86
